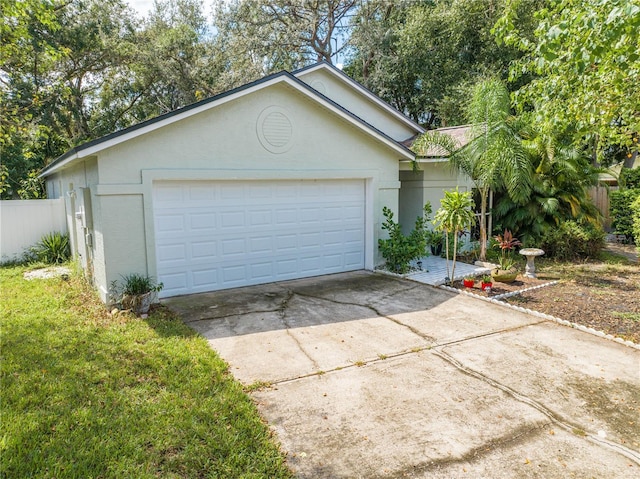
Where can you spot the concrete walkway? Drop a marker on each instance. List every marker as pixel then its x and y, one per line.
pixel 629 251
pixel 365 375
pixel 434 271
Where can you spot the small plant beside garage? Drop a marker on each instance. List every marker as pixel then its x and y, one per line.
pixel 399 250
pixel 135 292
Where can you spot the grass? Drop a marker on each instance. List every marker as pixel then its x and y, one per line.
pixel 85 394
pixel 630 316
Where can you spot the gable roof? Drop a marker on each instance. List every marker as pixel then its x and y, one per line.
pixel 95 146
pixel 362 90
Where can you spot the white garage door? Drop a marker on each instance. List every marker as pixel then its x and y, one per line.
pixel 224 234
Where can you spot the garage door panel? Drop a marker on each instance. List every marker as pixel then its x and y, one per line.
pixel 261 271
pixel 202 221
pixel 233 247
pixel 353 259
pixel 260 218
pixel 203 250
pixel 171 223
pixel 216 235
pixel 172 253
pixel 232 219
pixel 261 244
pixel 204 277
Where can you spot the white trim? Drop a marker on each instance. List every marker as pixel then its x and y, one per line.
pixel 150 176
pixel 344 78
pixel 308 92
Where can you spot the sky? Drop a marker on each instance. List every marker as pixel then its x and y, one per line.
pixel 141 6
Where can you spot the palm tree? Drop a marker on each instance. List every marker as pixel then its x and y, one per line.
pixel 561 175
pixel 454 216
pixel 494 157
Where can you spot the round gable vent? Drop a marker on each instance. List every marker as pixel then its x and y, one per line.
pixel 275 130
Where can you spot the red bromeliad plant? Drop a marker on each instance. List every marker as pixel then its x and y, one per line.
pixel 507 243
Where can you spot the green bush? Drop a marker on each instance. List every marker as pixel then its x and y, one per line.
pixel 53 248
pixel 398 250
pixel 620 210
pixel 573 240
pixel 635 211
pixel 630 177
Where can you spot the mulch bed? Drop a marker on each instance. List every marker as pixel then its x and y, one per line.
pixel 595 295
pixel 498 289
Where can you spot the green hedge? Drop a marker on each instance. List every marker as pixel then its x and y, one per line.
pixel 630 178
pixel 635 209
pixel 573 240
pixel 621 211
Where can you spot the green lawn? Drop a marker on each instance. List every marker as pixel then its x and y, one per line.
pixel 89 395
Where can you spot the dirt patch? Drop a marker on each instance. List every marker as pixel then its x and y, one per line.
pixel 45 273
pixel 618 403
pixel 601 295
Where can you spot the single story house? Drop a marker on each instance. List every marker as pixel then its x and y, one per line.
pixel 281 178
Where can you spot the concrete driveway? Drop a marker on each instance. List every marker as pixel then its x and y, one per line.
pixel 368 376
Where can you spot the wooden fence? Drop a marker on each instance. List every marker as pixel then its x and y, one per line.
pixel 600 197
pixel 24 222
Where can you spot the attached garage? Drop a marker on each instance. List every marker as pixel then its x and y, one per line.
pixel 213 235
pixel 282 178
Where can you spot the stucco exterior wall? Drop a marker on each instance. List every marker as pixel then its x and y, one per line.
pixel 223 144
pixel 331 87
pixel 77 186
pixel 426 185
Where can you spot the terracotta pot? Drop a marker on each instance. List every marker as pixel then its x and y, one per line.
pixel 468 283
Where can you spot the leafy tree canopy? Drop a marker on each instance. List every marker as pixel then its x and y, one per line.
pixel 584 65
pixel 424 57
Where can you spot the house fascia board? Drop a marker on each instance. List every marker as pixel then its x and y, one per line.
pixel 372 97
pixel 93 147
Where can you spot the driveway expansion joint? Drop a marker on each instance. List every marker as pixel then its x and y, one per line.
pixel 352 365
pixel 555 419
pixel 490 333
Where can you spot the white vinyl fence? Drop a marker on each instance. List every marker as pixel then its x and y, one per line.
pixel 24 222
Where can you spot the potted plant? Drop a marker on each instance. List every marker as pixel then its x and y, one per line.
pixel 469 281
pixel 487 283
pixel 506 272
pixel 135 292
pixel 435 240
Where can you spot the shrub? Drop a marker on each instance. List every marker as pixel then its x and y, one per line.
pixel 630 177
pixel 53 248
pixel 398 250
pixel 635 211
pixel 573 240
pixel 621 211
pixel 135 284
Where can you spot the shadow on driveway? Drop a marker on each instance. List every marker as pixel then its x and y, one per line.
pixel 367 375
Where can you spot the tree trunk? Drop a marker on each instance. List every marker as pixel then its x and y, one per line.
pixel 455 252
pixel 446 243
pixel 483 223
